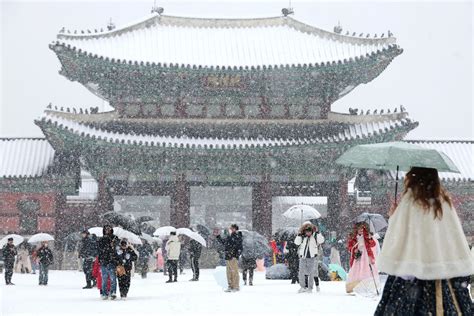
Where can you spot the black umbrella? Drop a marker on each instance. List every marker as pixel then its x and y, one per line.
pixel 254 245
pixel 124 221
pixel 203 231
pixel 144 218
pixel 286 234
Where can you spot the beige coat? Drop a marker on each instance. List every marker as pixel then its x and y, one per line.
pixel 416 244
pixel 23 261
pixel 173 248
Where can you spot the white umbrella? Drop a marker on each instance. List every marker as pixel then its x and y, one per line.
pixel 40 238
pixel 302 212
pixel 147 237
pixel 184 231
pixel 17 239
pixel 131 237
pixel 198 238
pixel 98 231
pixel 164 231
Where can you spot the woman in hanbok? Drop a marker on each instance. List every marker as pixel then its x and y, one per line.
pixel 361 247
pixel 425 253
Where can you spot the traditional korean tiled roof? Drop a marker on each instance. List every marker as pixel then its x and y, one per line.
pixel 25 157
pixel 256 42
pixel 460 152
pixel 357 127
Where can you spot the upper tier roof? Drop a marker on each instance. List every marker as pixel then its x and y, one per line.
pixel 224 42
pixel 25 157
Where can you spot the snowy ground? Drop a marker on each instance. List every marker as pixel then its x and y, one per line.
pixel 151 296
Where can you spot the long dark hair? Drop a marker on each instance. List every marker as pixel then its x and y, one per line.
pixel 427 189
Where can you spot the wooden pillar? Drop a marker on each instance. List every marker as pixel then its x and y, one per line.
pixel 262 207
pixel 60 227
pixel 338 207
pixel 104 196
pixel 180 202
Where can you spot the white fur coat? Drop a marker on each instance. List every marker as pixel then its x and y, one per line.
pixel 416 244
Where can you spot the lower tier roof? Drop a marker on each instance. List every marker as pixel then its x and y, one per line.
pixel 352 128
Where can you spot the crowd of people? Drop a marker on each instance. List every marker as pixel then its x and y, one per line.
pixel 425 255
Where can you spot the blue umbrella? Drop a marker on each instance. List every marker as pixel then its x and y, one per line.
pixel 339 270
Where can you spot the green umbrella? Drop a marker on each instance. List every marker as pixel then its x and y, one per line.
pixel 396 156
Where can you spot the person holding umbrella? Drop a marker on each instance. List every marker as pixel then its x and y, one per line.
pixel 307 241
pixel 45 258
pixel 173 250
pixel 106 255
pixel 425 252
pixel 9 253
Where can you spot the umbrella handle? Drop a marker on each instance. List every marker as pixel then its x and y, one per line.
pixel 396 185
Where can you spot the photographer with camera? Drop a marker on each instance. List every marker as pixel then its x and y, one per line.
pixel 307 241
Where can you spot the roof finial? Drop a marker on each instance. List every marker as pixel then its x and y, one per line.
pixel 110 25
pixel 289 10
pixel 155 9
pixel 338 28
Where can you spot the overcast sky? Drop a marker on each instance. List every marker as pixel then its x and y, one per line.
pixel 433 78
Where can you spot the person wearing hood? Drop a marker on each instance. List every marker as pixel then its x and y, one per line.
pixel 425 252
pixel 233 249
pixel 108 263
pixel 87 252
pixel 173 249
pixel 45 257
pixel 126 255
pixel 9 252
pixel 307 241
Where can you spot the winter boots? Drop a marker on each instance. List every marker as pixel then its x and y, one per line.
pixel 88 286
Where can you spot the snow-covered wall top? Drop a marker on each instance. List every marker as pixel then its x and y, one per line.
pixel 223 42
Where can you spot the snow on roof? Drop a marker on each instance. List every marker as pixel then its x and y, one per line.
pixel 460 152
pixel 353 131
pixel 224 42
pixel 25 157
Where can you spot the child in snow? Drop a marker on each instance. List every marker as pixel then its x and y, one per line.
pixel 425 253
pixel 126 255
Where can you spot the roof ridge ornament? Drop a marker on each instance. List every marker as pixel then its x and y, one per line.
pixel 110 25
pixel 288 11
pixel 156 9
pixel 338 28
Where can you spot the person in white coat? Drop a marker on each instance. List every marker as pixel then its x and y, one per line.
pixel 173 249
pixel 307 241
pixel 425 253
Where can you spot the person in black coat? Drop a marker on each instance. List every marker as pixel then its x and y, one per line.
pixel 107 260
pixel 293 260
pixel 233 249
pixel 87 252
pixel 9 252
pixel 195 249
pixel 145 251
pixel 45 258
pixel 125 256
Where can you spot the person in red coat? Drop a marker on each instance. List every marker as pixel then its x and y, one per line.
pixel 361 247
pixel 97 275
